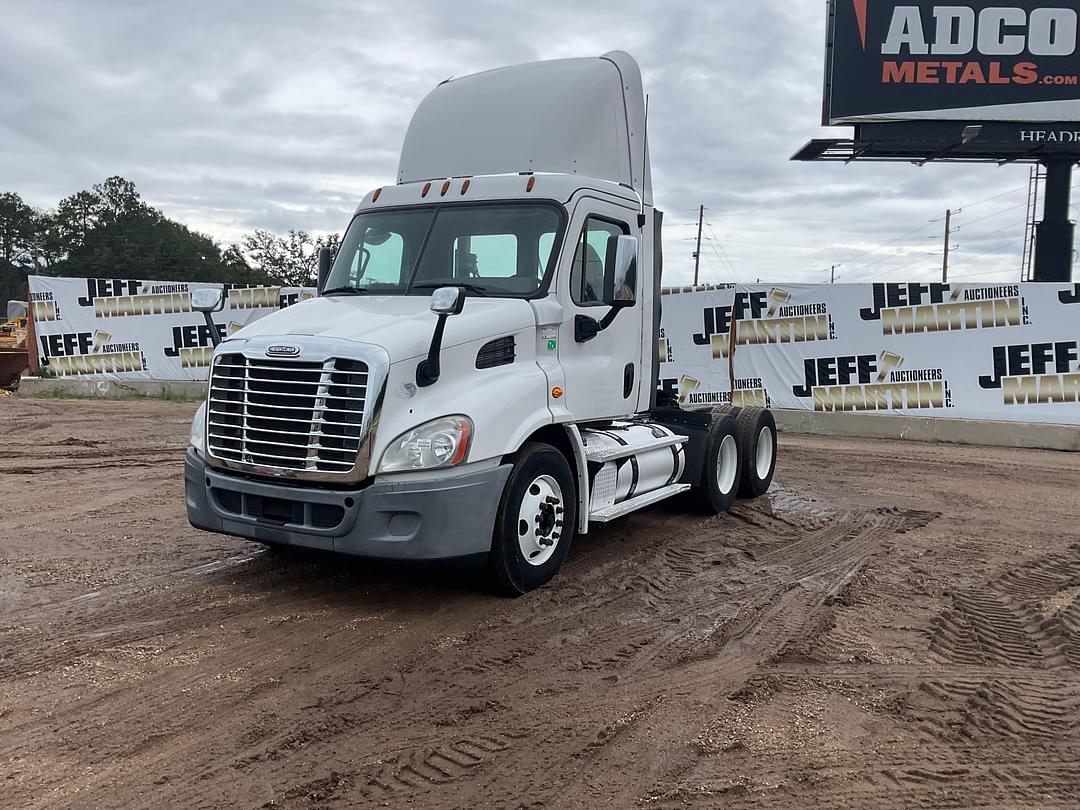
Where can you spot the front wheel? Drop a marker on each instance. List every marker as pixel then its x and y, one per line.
pixel 535 522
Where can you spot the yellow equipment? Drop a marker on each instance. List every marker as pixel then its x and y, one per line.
pixel 14 358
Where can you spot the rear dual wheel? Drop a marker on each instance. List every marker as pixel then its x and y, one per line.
pixel 756 431
pixel 722 471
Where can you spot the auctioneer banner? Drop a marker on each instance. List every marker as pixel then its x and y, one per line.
pixel 126 329
pixel 1006 352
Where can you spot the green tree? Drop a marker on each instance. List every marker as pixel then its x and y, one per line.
pixel 19 246
pixel 292 259
pixel 109 231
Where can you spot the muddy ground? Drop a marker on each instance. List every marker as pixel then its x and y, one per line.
pixel 896 626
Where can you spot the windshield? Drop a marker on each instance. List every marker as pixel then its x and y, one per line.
pixel 500 250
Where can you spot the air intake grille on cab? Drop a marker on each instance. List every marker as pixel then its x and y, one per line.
pixel 285 414
pixel 499 352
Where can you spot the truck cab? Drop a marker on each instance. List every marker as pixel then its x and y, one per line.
pixel 477 376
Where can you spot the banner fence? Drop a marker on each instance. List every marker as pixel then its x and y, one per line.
pixel 126 329
pixel 1005 352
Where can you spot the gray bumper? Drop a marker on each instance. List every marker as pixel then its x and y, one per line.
pixel 401 520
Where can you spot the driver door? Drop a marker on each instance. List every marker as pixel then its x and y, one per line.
pixel 602 375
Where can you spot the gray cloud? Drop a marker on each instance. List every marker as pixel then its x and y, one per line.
pixel 278 115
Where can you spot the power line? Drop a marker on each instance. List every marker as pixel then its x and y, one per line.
pixel 720 244
pixel 995 214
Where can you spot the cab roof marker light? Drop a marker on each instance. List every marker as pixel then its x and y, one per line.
pixel 445 188
pixel 425 190
pixel 531 183
pixel 465 186
pixel 375 194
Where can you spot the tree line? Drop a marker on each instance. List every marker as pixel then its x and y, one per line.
pixel 109 232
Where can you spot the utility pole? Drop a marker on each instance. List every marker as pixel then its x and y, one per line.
pixel 832 275
pixel 697 253
pixel 948 233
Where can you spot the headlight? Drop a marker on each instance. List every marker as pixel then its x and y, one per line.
pixel 198 430
pixel 439 443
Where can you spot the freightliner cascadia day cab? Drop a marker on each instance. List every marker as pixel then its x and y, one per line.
pixel 478 374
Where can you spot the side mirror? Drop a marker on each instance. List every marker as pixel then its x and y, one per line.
pixel 208 300
pixel 448 301
pixel 620 272
pixel 326 260
pixel 445 301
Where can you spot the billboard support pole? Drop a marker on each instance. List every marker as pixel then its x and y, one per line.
pixel 697 253
pixel 1054 242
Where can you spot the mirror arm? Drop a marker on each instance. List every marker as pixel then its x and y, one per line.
pixel 613 313
pixel 586 328
pixel 326 261
pixel 427 373
pixel 215 338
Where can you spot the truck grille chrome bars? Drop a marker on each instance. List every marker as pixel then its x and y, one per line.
pixel 287 416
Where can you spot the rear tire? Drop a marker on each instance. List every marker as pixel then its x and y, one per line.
pixel 757 436
pixel 535 523
pixel 722 471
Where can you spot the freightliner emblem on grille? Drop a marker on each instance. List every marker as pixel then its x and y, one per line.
pixel 282 351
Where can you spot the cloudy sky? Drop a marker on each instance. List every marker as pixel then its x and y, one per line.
pixel 237 115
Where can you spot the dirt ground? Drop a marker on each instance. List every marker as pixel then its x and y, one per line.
pixel 896 625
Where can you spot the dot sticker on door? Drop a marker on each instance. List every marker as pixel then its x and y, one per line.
pixel 551 336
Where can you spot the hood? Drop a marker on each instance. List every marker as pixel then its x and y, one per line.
pixel 401 324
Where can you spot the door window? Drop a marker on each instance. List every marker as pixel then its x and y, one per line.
pixel 587 272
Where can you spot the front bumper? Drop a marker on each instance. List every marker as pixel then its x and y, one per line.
pixel 400 520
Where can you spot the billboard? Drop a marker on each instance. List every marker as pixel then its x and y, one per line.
pixel 919 60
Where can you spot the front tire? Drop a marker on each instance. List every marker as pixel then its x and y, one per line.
pixel 535 522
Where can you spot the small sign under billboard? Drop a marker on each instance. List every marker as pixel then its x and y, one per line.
pixel 918 60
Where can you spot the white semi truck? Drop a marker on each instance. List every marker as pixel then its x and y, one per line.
pixel 478 374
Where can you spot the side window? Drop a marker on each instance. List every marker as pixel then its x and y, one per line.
pixel 587 273
pixel 378 260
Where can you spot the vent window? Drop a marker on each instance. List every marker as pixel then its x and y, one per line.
pixel 499 352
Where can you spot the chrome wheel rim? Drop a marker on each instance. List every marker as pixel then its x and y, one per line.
pixel 540 520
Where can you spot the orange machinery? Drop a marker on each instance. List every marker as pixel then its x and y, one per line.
pixel 14 358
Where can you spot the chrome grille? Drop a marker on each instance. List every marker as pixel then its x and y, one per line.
pixel 286 414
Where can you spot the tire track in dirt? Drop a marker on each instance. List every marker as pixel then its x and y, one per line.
pixel 967 710
pixel 984 641
pixel 418 770
pixel 357 689
pixel 1042 577
pixel 804 577
pixel 983 627
pixel 913 784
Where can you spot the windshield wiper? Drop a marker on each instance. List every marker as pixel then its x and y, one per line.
pixel 434 285
pixel 345 291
